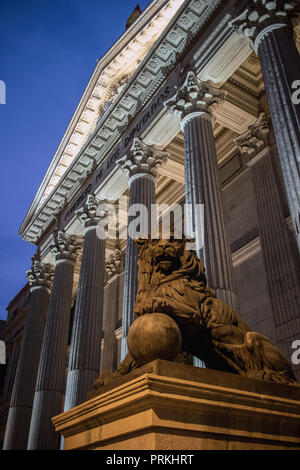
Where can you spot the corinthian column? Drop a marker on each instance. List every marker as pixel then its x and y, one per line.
pixel 267 24
pixel 281 259
pixel 140 165
pixel 50 383
pixel 84 359
pixel 194 103
pixel 17 428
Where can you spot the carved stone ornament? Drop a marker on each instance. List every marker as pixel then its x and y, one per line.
pixel 256 138
pixel 142 160
pixel 66 247
pixel 113 94
pixel 195 97
pixel 40 274
pixel 172 282
pixel 90 213
pixel 113 264
pixel 118 87
pixel 262 16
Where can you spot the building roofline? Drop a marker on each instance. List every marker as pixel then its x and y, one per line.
pixel 122 42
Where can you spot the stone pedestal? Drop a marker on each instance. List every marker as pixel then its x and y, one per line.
pixel 170 406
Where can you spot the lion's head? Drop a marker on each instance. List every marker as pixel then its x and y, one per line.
pixel 168 257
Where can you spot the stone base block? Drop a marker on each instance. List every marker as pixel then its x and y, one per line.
pixel 172 406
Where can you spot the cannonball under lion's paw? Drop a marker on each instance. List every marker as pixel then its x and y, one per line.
pixel 154 336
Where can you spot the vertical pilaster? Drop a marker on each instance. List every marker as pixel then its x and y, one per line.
pixel 19 416
pixel 194 103
pixel 84 359
pixel 113 267
pixel 51 374
pixel 141 166
pixel 281 259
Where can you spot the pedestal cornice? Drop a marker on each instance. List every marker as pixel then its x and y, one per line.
pixel 175 405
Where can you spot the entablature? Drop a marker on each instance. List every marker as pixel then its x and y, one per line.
pixel 127 118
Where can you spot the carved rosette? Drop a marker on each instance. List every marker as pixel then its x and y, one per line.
pixel 91 212
pixel 114 264
pixel 66 247
pixel 256 138
pixel 195 97
pixel 142 160
pixel 40 274
pixel 262 16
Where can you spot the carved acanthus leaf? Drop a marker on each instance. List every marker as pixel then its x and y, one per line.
pixel 114 264
pixel 256 138
pixel 40 274
pixel 142 159
pixel 91 212
pixel 195 96
pixel 261 14
pixel 66 247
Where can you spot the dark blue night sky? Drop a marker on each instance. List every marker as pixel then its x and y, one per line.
pixel 48 50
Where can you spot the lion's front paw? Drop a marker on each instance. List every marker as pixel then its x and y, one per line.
pixel 103 379
pixel 142 308
pixel 161 305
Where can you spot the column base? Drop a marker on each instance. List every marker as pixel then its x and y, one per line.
pixel 42 435
pixel 170 406
pixel 17 428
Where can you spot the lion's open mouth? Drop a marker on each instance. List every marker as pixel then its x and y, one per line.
pixel 164 258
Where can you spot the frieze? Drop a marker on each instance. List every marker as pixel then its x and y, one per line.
pixel 197 13
pixel 135 130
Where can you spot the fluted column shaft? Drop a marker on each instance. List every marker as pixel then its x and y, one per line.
pixel 51 374
pixel 281 261
pixel 194 103
pixel 269 26
pixel 84 359
pixel 142 191
pixel 19 416
pixel 281 67
pixel 140 165
pixel 202 187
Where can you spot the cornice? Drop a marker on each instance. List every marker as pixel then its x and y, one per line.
pixel 143 84
pixel 103 79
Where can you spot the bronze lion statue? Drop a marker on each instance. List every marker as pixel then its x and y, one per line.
pixel 171 280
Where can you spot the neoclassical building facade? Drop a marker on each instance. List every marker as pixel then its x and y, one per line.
pixel 196 103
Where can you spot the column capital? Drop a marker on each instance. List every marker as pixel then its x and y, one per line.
pixel 262 16
pixel 142 160
pixel 113 264
pixel 194 98
pixel 256 140
pixel 90 213
pixel 40 274
pixel 65 247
